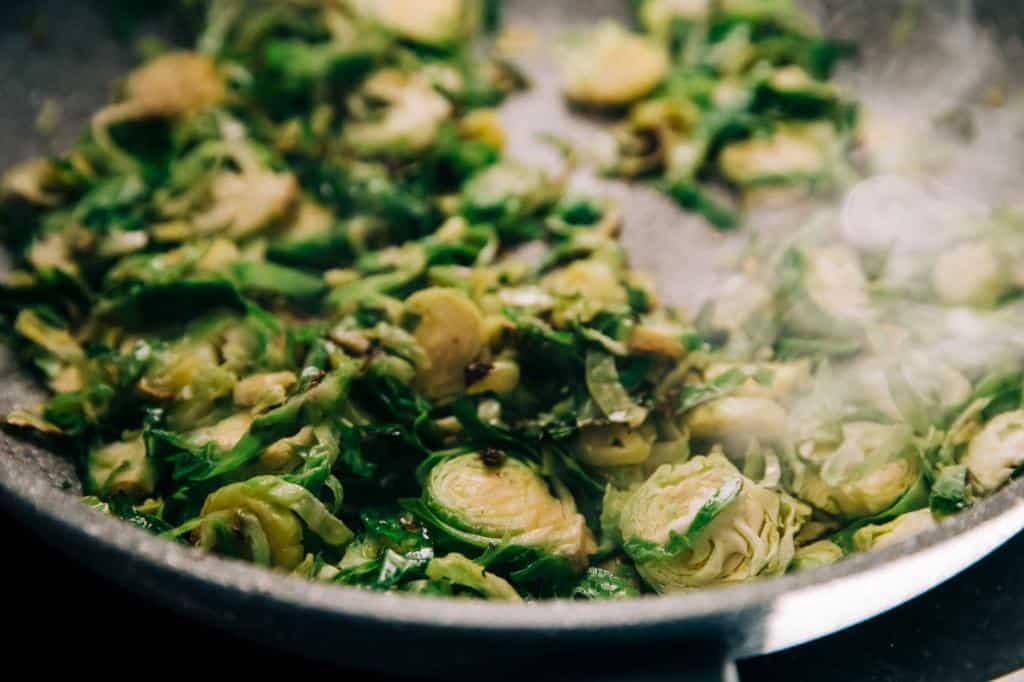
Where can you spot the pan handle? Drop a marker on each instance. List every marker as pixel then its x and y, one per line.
pixel 686 662
pixel 720 671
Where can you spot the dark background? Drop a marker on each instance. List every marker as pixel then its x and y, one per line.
pixel 970 628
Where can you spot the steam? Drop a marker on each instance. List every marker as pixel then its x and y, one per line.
pixel 943 127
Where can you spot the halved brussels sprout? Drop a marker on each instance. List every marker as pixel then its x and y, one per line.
pixel 436 23
pixel 611 67
pixel 816 555
pixel 413 112
pixel 879 536
pixel 970 274
pixel 793 153
pixel 702 523
pixel 736 421
pixel 507 502
pixel 450 329
pixel 996 453
pixel 865 473
pixel 121 469
pixel 459 570
pixel 262 519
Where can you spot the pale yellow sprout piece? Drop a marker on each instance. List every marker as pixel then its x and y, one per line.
pixel 30 179
pixel 173 85
pixel 657 15
pixel 736 421
pixel 611 67
pixel 428 22
pixel 244 202
pixel 880 536
pixel 460 570
pixel 615 445
pixel 866 473
pixel 122 468
pixel 795 150
pixel 451 331
pixel 281 527
pixel 410 123
pixel 996 452
pixel 593 280
pixel 816 555
pixel 264 390
pixel 483 125
pixel 970 274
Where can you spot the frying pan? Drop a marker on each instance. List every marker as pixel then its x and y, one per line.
pixel 67 57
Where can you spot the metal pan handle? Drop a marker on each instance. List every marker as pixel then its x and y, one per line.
pixel 682 661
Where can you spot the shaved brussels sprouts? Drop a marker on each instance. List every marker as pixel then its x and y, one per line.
pixel 612 67
pixel 298 304
pixel 484 502
pixel 702 523
pixel 733 91
pixel 121 469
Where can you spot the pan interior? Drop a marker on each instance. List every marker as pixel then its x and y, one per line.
pixel 951 61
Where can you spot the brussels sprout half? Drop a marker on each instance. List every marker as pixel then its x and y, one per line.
pixel 871 468
pixel 484 502
pixel 703 522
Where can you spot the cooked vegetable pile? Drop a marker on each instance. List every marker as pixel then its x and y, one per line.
pixel 718 100
pixel 297 307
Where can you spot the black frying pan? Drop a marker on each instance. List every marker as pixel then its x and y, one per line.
pixel 62 50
